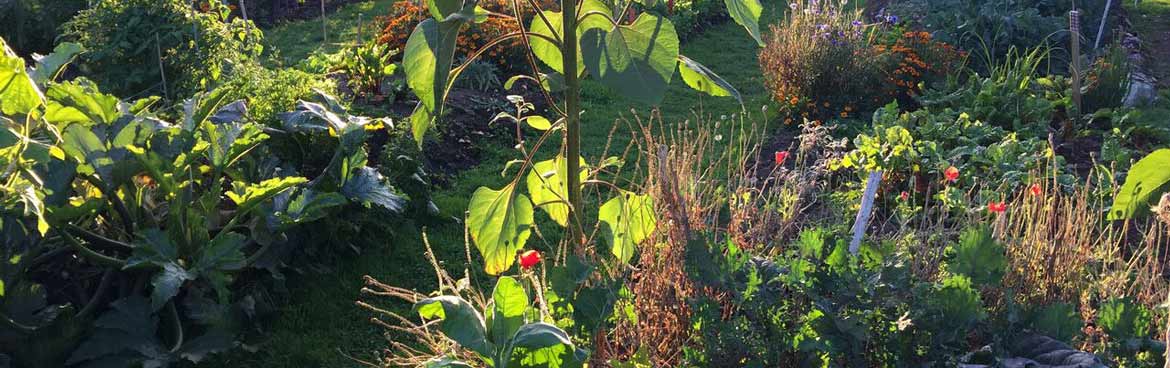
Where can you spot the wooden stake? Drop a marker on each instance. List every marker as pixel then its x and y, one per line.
pixel 1074 20
pixel 862 221
pixel 161 71
pixel 324 25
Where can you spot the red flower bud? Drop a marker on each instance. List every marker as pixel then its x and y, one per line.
pixel 904 196
pixel 529 259
pixel 952 174
pixel 781 156
pixel 997 207
pixel 1036 190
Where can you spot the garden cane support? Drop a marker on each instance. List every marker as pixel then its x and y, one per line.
pixel 862 221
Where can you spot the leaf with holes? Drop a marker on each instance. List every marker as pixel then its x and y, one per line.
pixel 500 222
pixel 548 187
pixel 1145 183
pixel 627 220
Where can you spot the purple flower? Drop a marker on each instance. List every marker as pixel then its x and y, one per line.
pixel 857 23
pixel 892 19
pixel 792 5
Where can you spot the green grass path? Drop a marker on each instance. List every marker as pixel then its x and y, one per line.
pixel 320 322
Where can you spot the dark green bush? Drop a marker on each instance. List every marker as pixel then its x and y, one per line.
pixel 124 40
pixel 32 25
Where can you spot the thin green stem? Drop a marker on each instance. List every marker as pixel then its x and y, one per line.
pixel 90 254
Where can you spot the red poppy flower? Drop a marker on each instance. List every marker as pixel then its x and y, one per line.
pixel 952 174
pixel 1036 190
pixel 781 156
pixel 529 259
pixel 904 196
pixel 996 207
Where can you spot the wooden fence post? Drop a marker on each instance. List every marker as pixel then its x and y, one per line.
pixel 862 221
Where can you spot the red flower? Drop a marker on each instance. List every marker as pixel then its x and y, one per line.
pixel 996 207
pixel 904 196
pixel 781 156
pixel 1036 190
pixel 529 259
pixel 952 174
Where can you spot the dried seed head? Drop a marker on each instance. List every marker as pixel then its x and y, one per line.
pixel 1162 210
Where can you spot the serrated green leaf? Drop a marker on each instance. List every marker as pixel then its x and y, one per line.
pixel 500 222
pixel 368 186
pixel 166 284
pixel 248 196
pixel 627 220
pixel 704 80
pixel 223 253
pixel 1145 183
pixel 1122 319
pixel 979 257
pixel 636 60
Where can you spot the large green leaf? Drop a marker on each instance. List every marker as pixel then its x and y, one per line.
pixel 18 94
pixel 166 284
pixel 543 345
pixel 124 336
pixel 222 253
pixel 547 185
pixel 636 60
pixel 627 220
pixel 747 14
pixel 427 60
pixel 509 301
pixel 459 321
pixel 49 66
pixel 704 80
pixel 367 186
pixel 1146 181
pixel 85 147
pixel 227 143
pixel 594 15
pixel 500 222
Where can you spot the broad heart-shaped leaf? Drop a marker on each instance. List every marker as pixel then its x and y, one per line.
pixel 247 196
pixel 704 80
pixel 595 15
pixel 1145 183
pixel 636 60
pixel 153 247
pixel 543 345
pixel 83 146
pixel 509 301
pixel 547 185
pixel 367 186
pixel 627 220
pixel 428 56
pixel 747 14
pixel 460 321
pixel 18 94
pixel 49 65
pixel 500 222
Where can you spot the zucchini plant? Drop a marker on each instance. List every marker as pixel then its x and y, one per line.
pixel 124 234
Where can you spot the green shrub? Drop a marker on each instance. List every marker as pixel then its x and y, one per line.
pixel 271 91
pixel 126 39
pixel 818 59
pixel 32 25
